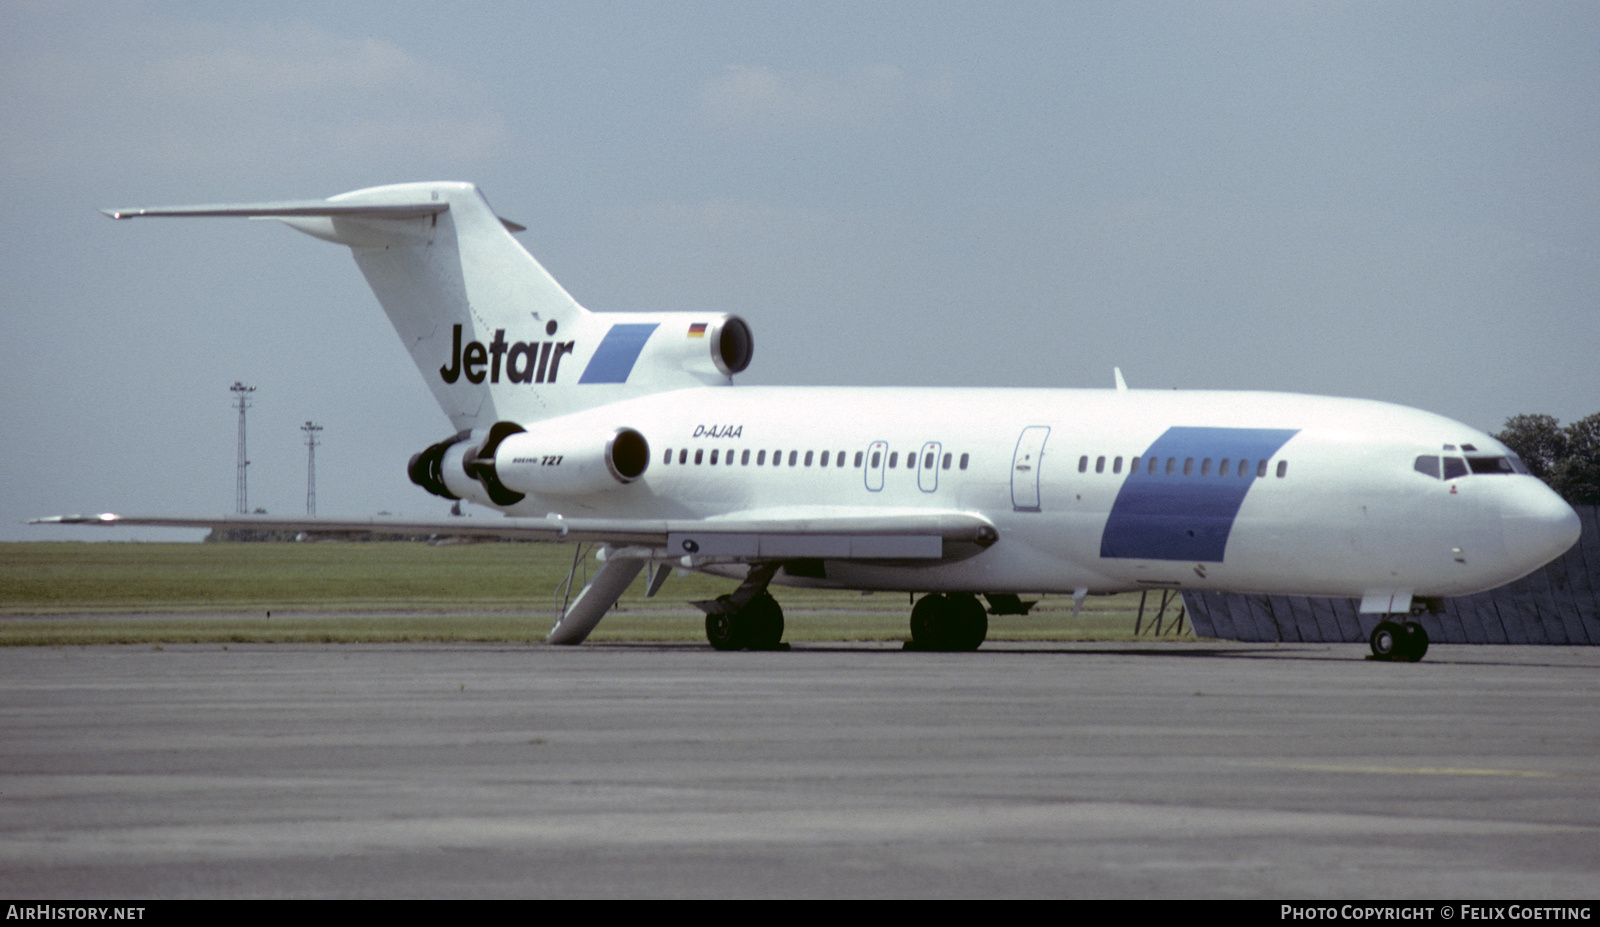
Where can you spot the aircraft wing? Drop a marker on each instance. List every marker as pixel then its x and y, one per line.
pixel 741 538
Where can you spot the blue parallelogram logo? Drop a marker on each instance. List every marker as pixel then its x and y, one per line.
pixel 1165 515
pixel 613 360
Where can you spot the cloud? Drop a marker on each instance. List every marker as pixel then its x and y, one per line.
pixel 769 99
pixel 209 97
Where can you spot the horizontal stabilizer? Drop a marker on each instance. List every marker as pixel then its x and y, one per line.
pixel 292 209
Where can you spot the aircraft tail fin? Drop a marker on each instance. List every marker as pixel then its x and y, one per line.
pixel 495 337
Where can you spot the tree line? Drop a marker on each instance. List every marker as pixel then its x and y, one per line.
pixel 1566 458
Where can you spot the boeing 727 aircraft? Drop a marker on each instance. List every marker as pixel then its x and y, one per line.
pixel 626 429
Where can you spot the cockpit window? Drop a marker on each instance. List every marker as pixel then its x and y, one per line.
pixel 1456 467
pixel 1490 465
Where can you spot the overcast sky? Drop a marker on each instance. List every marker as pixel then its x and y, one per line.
pixel 1392 201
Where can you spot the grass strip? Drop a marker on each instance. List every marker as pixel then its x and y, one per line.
pixel 69 593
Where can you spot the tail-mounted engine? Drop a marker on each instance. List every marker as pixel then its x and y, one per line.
pixel 710 347
pixel 427 468
pixel 732 345
pixel 510 462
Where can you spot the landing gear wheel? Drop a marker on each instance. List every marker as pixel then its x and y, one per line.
pixel 723 628
pixel 1386 640
pixel 955 622
pixel 969 622
pixel 757 626
pixel 1414 642
pixel 926 622
pixel 763 623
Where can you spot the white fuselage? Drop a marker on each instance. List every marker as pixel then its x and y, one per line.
pixel 1320 496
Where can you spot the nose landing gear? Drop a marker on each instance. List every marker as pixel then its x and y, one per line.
pixel 1392 640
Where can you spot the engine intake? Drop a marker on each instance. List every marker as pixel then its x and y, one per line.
pixel 734 345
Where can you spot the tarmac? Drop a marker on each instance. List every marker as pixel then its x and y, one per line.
pixel 1161 770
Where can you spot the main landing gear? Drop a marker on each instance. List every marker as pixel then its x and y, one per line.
pixel 957 621
pixel 1393 640
pixel 758 625
pixel 749 618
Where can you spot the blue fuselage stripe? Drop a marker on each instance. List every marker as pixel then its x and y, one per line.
pixel 613 360
pixel 1158 516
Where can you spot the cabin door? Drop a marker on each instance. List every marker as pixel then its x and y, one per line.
pixel 1025 465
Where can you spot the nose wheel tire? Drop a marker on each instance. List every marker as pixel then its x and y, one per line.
pixel 1392 640
pixel 1416 642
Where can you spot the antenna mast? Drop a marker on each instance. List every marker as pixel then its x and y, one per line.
pixel 311 430
pixel 241 496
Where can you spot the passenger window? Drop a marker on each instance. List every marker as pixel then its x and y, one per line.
pixel 1222 468
pixel 713 457
pixel 858 459
pixel 1244 468
pixel 683 456
pixel 1100 465
pixel 947 459
pixel 729 458
pixel 1427 464
pixel 824 461
pixel 875 459
pixel 808 459
pixel 744 459
pixel 1283 468
pixel 761 458
pixel 1133 465
pixel 698 456
pixel 1188 465
pixel 927 462
pixel 963 461
pixel 793 455
pixel 1261 468
pixel 1083 464
pixel 894 460
pixel 1116 465
pixel 1454 468
pixel 841 458
pixel 1205 467
pixel 1154 462
pixel 1172 465
pixel 668 459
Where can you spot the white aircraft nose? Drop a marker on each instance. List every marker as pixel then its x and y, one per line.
pixel 1538 525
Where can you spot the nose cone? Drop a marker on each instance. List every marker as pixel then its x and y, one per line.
pixel 1538 525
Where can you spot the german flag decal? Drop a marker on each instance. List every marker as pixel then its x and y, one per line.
pixel 697 330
